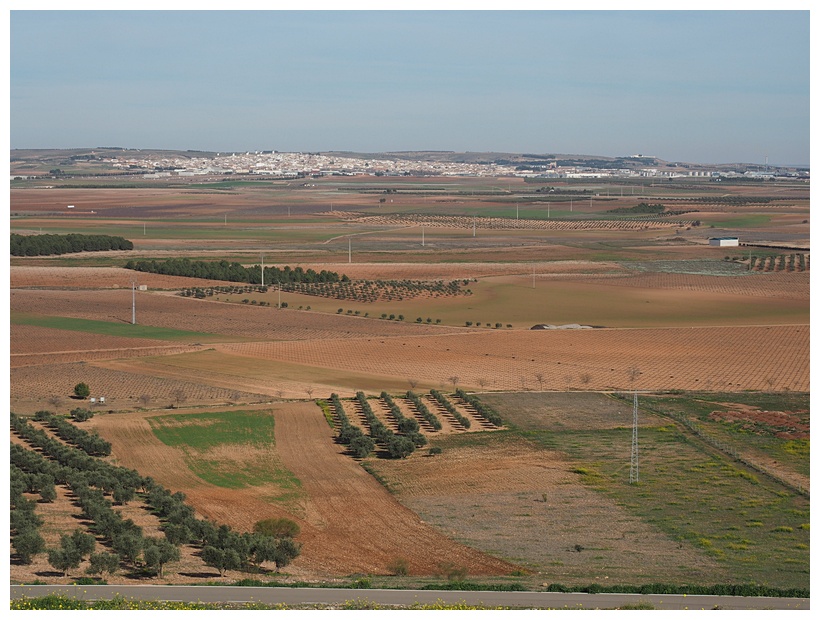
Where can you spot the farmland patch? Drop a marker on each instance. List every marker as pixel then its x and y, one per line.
pixel 231 449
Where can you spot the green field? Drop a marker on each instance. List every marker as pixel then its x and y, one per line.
pixel 202 436
pixel 751 525
pixel 114 329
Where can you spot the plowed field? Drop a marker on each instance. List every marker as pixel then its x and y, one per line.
pixel 233 320
pixel 728 358
pixel 350 524
pixel 779 285
pixel 97 277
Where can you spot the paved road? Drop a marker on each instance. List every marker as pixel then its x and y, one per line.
pixel 330 596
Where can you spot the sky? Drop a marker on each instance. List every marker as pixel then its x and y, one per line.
pixel 691 86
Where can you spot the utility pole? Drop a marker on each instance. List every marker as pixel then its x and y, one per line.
pixel 133 302
pixel 633 465
pixel 633 373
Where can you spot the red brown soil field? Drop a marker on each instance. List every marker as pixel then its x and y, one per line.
pixel 32 387
pixel 498 223
pixel 779 285
pixel 32 345
pixel 98 277
pixel 142 203
pixel 350 524
pixel 783 424
pixel 726 358
pixel 456 271
pixel 232 320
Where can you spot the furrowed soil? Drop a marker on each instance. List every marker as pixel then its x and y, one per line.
pixel 547 492
pixel 350 524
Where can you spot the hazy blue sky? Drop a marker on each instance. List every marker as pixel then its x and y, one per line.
pixel 684 86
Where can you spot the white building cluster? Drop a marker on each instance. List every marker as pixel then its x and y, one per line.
pixel 278 164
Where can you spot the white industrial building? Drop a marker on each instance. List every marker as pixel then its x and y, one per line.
pixel 724 242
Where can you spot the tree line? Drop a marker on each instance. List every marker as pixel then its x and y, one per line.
pixel 233 271
pixel 49 245
pixel 98 486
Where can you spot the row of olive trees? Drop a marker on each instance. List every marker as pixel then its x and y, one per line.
pixel 397 447
pixel 408 427
pixel 91 479
pixel 485 411
pixel 90 443
pixel 445 402
pixel 431 418
pixel 349 434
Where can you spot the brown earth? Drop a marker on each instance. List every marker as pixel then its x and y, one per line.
pixel 779 285
pixel 232 320
pixel 21 276
pixel 726 358
pixel 350 524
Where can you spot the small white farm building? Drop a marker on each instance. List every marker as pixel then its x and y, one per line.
pixel 724 242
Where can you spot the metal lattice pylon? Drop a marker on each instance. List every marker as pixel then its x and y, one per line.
pixel 633 466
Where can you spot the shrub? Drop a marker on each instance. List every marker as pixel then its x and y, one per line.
pixel 278 528
pixel 81 415
pixel 398 567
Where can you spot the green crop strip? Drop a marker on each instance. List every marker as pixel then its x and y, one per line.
pixel 200 437
pixel 112 329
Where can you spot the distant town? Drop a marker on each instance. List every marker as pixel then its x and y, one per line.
pixel 155 164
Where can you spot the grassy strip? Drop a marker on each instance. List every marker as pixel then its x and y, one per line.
pixel 108 328
pixel 724 589
pixel 57 601
pixel 323 405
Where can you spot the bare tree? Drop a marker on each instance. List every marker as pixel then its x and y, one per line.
pixel 235 396
pixel 413 383
pixel 633 373
pixel 523 381
pixel 454 380
pixel 568 380
pixel 144 399
pixel 179 396
pixel 309 391
pixel 280 393
pixel 539 376
pixel 586 378
pixel 482 382
pixel 55 401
